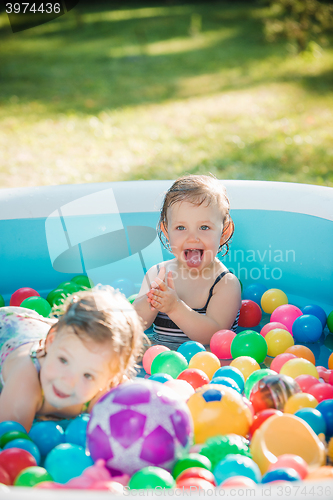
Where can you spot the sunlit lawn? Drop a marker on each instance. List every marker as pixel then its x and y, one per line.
pixel 133 94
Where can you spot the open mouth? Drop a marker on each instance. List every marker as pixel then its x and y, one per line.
pixel 59 394
pixel 193 256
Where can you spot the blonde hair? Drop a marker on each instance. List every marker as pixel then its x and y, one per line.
pixel 105 316
pixel 198 189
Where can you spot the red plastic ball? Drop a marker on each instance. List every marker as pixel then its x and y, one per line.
pixel 306 381
pixel 238 482
pixel 21 294
pixel 198 472
pixel 294 462
pixel 195 377
pixel 280 360
pixel 220 343
pixel 194 483
pixel 271 326
pixel 14 460
pixel 4 476
pixel 150 355
pixel 321 391
pixel 250 314
pixel 260 418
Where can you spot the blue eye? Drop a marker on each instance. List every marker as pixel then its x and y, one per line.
pixel 63 360
pixel 181 228
pixel 204 227
pixel 88 376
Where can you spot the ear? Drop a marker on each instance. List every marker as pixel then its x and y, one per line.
pixel 227 232
pixel 50 337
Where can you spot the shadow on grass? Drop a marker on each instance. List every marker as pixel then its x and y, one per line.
pixel 83 65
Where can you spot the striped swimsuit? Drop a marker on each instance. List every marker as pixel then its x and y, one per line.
pixel 166 332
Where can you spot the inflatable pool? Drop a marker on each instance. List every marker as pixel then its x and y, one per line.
pixel 283 239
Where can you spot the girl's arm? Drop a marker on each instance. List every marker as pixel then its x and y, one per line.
pixel 21 395
pixel 141 303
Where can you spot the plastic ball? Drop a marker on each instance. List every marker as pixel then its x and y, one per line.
pixel 218 447
pixel 76 431
pixel 261 417
pixel 196 378
pixel 330 321
pixel 272 299
pixel 14 460
pixel 280 360
pixel 299 366
pixel 132 298
pixel 182 388
pixel 27 445
pixel 273 391
pixel 278 341
pixel 237 465
pixel 10 425
pixel 325 472
pixel 189 349
pixel 169 362
pixel 246 365
pixel 37 304
pixel 321 391
pixel 31 476
pixel 298 401
pixel 307 328
pixel 197 472
pixel 271 326
pixel 286 315
pixel 220 343
pixel 233 373
pixel 249 343
pixel 46 435
pixel 189 461
pixel 150 355
pixel 317 311
pixel 293 462
pixel 254 292
pixel 254 378
pixel 217 409
pixel 238 482
pixel 2 301
pixel 11 435
pixel 124 285
pixel 56 296
pixel 281 474
pixel 228 382
pixel 69 287
pixel 301 351
pixel 330 362
pixel 146 423
pixel 194 483
pixel 314 418
pixel 160 377
pixel 21 294
pixel 250 314
pixel 205 361
pixel 306 381
pixel 66 461
pixel 83 281
pixel 151 478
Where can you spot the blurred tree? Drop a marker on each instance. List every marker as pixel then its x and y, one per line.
pixel 302 22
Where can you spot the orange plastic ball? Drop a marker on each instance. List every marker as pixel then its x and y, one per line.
pixel 205 361
pixel 302 352
pixel 246 365
pixel 330 362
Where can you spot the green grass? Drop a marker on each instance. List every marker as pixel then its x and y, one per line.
pixel 132 94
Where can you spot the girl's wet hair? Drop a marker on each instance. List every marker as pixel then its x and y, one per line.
pixel 105 316
pixel 198 189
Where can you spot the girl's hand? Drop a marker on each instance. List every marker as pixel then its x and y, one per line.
pixel 164 298
pixel 155 284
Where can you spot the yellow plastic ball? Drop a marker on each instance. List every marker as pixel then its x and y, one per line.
pixel 299 366
pixel 278 341
pixel 272 299
pixel 217 409
pixel 246 365
pixel 298 401
pixel 205 361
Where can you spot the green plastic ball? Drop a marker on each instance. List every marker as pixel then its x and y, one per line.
pixel 132 298
pixel 241 285
pixel 57 296
pixel 11 435
pixel 191 460
pixel 37 304
pixel 31 476
pixel 249 343
pixel 83 281
pixel 70 287
pixel 151 478
pixel 170 362
pixel 330 321
pixel 218 447
pixel 254 378
pixel 2 301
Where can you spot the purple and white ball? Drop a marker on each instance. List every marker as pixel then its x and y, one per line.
pixel 139 424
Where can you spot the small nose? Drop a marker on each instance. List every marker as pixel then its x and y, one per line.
pixel 193 236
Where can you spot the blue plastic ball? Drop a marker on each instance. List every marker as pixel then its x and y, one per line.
pixel 10 425
pixel 47 435
pixel 236 465
pixel 124 285
pixel 314 418
pixel 326 409
pixel 254 292
pixel 189 349
pixel 25 444
pixel 281 474
pixel 228 382
pixel 307 328
pixel 76 432
pixel 231 372
pixel 66 461
pixel 317 311
pixel 160 377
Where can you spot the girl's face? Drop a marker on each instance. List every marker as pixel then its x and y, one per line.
pixel 194 233
pixel 74 371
